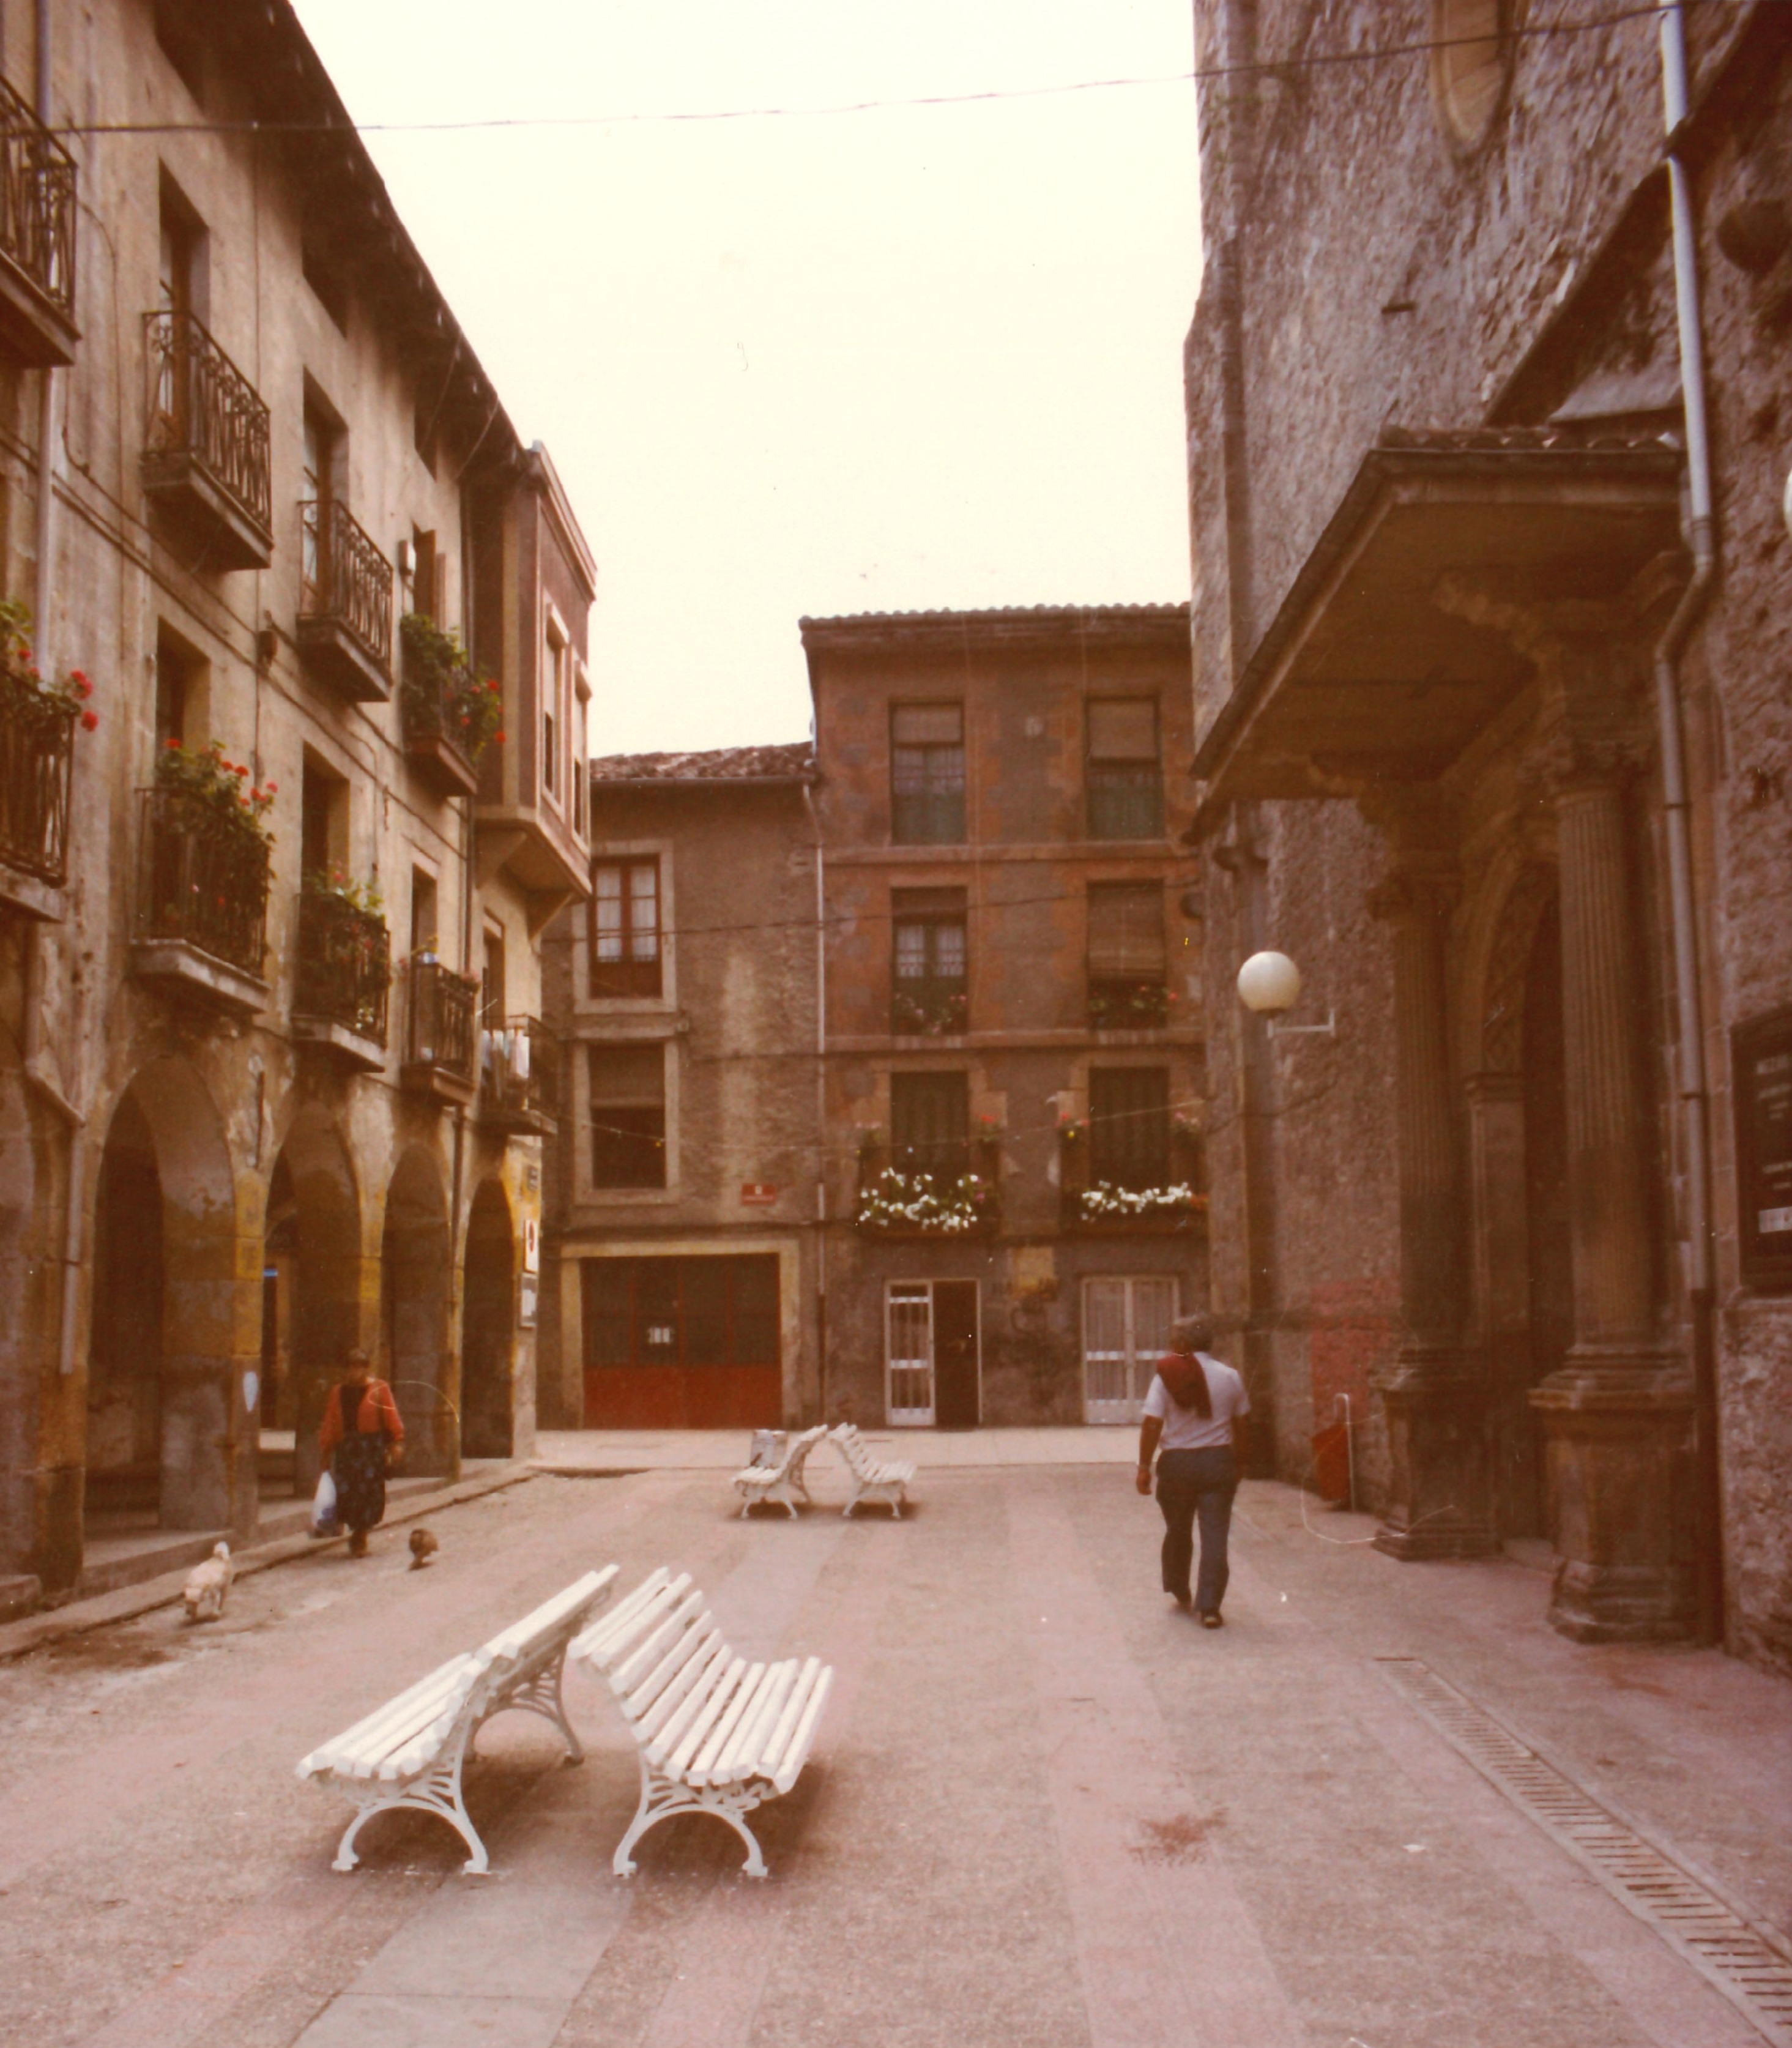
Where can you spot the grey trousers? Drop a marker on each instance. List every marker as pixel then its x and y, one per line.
pixel 1191 1484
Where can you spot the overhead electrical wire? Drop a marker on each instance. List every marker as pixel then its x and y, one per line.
pixel 1269 67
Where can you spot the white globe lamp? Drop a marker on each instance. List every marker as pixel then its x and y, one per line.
pixel 1269 982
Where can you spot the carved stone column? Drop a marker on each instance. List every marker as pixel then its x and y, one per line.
pixel 1434 1396
pixel 1617 1416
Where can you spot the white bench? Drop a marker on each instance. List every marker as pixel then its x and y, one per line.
pixel 874 1478
pixel 782 1482
pixel 716 1734
pixel 411 1751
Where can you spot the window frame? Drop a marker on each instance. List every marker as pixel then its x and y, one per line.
pixel 940 1006
pixel 626 865
pixel 1121 779
pixel 905 804
pixel 624 1108
pixel 1152 1164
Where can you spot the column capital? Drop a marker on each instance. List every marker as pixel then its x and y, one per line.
pixel 1416 894
pixel 1572 755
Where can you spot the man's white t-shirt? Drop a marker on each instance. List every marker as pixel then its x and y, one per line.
pixel 1186 1430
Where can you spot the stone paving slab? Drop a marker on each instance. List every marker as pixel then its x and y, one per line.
pixel 1043 1809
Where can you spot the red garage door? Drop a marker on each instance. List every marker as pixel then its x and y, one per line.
pixel 682 1343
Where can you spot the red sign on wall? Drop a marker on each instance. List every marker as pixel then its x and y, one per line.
pixel 758 1193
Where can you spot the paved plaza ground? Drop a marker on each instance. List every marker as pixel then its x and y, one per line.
pixel 1044 1808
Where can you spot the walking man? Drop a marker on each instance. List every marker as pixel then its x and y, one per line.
pixel 1195 1409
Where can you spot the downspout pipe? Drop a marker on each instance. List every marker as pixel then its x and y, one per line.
pixel 1692 1080
pixel 820 1102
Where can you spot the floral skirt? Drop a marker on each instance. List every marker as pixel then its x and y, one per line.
pixel 357 1464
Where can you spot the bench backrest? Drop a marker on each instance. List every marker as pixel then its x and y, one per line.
pixel 553 1622
pixel 800 1446
pixel 852 1448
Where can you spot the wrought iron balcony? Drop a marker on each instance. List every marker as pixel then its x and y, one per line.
pixel 1136 1003
pixel 38 186
pixel 439 1027
pixel 345 603
pixel 935 1006
pixel 517 1077
pixel 1143 1181
pixel 344 971
pixel 202 902
pixel 36 779
pixel 430 701
pixel 205 447
pixel 935 1191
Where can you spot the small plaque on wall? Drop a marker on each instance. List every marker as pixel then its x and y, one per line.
pixel 1762 1054
pixel 525 1301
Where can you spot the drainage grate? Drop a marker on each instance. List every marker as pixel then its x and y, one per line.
pixel 1751 1972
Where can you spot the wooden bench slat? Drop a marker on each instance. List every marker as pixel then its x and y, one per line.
pixel 714 1701
pixel 752 1679
pixel 682 1700
pixel 598 1642
pixel 658 1694
pixel 789 1767
pixel 777 1739
pixel 646 1654
pixel 516 1642
pixel 375 1737
pixel 737 1760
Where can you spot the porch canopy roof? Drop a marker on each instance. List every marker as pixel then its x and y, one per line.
pixel 1383 663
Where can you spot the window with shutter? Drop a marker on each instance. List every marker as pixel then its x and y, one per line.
pixel 1129 1127
pixel 1124 770
pixel 1126 956
pixel 628 1116
pixel 929 988
pixel 927 774
pixel 930 1122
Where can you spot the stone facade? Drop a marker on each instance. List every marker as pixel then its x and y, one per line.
pixel 1063 1027
pixel 1442 590
pixel 706 1007
pixel 230 1152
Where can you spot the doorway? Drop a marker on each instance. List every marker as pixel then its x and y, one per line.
pixel 487 1322
pixel 414 1284
pixel 1548 1243
pixel 933 1354
pixel 124 1380
pixel 1126 1330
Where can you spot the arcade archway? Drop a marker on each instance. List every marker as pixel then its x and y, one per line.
pixel 488 1326
pixel 310 1281
pixel 416 1267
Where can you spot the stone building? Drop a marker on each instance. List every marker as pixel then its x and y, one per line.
pixel 1014 1073
pixel 680 1287
pixel 269 1083
pixel 1488 445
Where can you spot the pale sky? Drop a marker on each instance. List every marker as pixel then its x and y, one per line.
pixel 830 362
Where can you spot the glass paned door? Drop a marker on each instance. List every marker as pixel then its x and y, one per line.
pixel 909 1335
pixel 1126 1330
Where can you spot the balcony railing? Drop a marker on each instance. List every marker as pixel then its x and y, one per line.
pixel 936 1006
pixel 430 701
pixel 952 1191
pixel 516 1075
pixel 440 1025
pixel 1146 1184
pixel 344 966
pixel 1140 1004
pixel 345 599
pixel 206 445
pixel 203 881
pixel 37 776
pixel 37 186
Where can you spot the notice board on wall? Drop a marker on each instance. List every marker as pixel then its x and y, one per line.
pixel 1762 1065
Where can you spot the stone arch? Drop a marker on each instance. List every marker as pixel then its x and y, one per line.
pixel 311 1280
pixel 488 1325
pixel 168 1302
pixel 416 1278
pixel 1500 1014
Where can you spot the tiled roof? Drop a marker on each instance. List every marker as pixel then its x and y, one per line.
pixel 1030 615
pixel 793 763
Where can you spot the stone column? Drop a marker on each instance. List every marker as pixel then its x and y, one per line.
pixel 1434 1396
pixel 1616 1416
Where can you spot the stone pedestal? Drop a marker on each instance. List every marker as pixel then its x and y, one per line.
pixel 1436 1408
pixel 1620 1479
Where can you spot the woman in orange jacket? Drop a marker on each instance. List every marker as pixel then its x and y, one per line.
pixel 362 1437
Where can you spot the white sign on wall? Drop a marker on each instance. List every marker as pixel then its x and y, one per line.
pixel 531 1245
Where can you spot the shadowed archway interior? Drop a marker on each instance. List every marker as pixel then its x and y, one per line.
pixel 416 1262
pixel 488 1323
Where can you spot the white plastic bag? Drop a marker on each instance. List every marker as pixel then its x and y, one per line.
pixel 324 1505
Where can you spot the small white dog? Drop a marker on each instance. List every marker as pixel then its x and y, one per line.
pixel 206 1591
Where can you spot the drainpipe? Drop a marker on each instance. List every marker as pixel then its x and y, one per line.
pixel 1694 1098
pixel 820 1104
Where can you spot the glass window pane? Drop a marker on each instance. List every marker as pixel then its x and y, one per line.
pixel 949 952
pixel 911 951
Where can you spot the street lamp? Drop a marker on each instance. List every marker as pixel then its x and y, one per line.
pixel 1269 983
